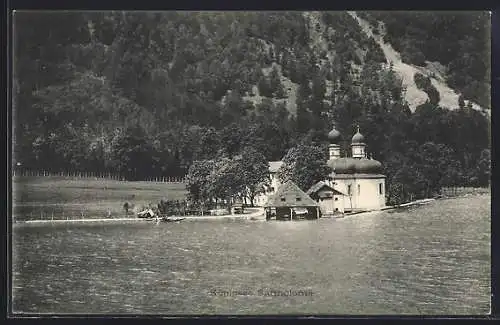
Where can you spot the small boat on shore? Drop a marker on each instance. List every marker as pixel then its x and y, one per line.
pixel 172 219
pixel 147 213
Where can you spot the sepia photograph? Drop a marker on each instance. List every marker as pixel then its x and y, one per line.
pixel 183 163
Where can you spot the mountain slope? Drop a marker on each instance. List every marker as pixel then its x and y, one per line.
pixel 414 96
pixel 105 91
pixel 290 89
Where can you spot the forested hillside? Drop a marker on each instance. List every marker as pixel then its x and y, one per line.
pixel 100 91
pixel 460 41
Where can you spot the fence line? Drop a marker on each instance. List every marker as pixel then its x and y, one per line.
pixel 51 214
pixel 95 175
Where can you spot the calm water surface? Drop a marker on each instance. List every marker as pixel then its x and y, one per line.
pixel 432 259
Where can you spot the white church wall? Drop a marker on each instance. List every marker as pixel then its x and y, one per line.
pixel 363 193
pixel 368 198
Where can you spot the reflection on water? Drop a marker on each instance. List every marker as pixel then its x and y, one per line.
pixel 433 259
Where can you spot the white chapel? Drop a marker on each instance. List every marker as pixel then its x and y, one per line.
pixel 355 184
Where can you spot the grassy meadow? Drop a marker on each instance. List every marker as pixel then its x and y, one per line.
pixel 74 198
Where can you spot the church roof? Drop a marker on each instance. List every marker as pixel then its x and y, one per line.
pixel 334 136
pixel 290 195
pixel 358 138
pixel 319 185
pixel 349 165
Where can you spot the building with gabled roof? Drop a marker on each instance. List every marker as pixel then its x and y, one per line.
pixel 289 201
pixel 331 201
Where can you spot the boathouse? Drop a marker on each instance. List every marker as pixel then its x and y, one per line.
pixel 330 200
pixel 290 202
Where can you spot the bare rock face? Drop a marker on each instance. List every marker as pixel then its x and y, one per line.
pixel 413 95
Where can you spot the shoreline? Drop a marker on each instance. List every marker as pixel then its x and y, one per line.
pixel 251 217
pixel 256 216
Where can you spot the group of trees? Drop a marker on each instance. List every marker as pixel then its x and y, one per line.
pixel 305 165
pixel 83 80
pixel 433 148
pixel 154 94
pixel 224 180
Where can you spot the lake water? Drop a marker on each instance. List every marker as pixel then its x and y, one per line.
pixel 431 259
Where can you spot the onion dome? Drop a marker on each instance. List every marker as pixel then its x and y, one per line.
pixel 368 166
pixel 358 137
pixel 343 165
pixel 334 136
pixel 355 166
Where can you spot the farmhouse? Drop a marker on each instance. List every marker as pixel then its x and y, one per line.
pixel 356 182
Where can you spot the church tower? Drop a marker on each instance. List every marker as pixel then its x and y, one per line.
pixel 358 145
pixel 334 148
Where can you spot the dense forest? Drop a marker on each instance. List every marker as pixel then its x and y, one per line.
pixel 147 94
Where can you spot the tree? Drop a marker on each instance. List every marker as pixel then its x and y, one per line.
pixel 424 83
pixel 197 181
pixel 131 153
pixel 374 52
pixel 433 161
pixel 452 176
pixel 395 193
pixel 264 87
pixel 126 207
pixel 231 136
pixel 318 87
pixel 483 169
pixel 255 170
pixel 275 86
pixel 461 102
pixel 225 181
pixel 304 165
